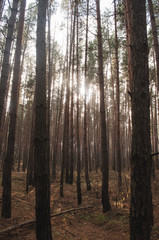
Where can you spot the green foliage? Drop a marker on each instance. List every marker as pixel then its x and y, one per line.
pixel 106 220
pixel 155 232
pixel 120 14
pixel 65 4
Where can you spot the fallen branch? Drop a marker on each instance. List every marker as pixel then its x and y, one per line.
pixel 71 210
pixel 23 201
pixel 69 232
pixel 31 222
pixel 20 225
pixel 154 154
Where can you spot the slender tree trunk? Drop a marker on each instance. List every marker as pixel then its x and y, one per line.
pixel 57 131
pixel 72 105
pixel 65 151
pixel 155 37
pixel 113 113
pixel 65 146
pixel 118 140
pixel 26 139
pixel 85 106
pixel 5 64
pixel 19 133
pixel 4 140
pixel 156 132
pixel 128 27
pixel 79 194
pixel 72 133
pixel 104 147
pixel 8 162
pixel 141 216
pixel 49 78
pixel 88 138
pixel 114 140
pixel 2 3
pixel 30 166
pixel 41 161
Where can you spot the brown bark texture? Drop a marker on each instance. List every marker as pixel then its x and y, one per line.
pixel 141 216
pixel 118 140
pixel 104 147
pixel 85 106
pixel 8 161
pixel 155 37
pixel 5 64
pixel 41 161
pixel 79 194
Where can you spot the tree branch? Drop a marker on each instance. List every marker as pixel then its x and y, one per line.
pixel 31 222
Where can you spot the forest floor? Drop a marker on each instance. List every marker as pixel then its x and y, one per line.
pixel 84 222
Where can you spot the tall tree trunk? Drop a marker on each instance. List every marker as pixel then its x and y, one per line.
pixel 57 130
pixel 63 148
pixel 30 166
pixel 128 27
pixel 155 37
pixel 2 3
pixel 104 146
pixel 8 162
pixel 156 131
pixel 141 216
pixel 72 104
pixel 118 140
pixel 85 106
pixel 49 78
pixel 79 194
pixel 4 140
pixel 20 133
pixel 5 64
pixel 41 161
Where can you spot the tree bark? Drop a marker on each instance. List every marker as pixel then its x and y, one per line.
pixel 49 79
pixel 5 64
pixel 118 140
pixel 72 105
pixel 2 3
pixel 85 106
pixel 8 162
pixel 41 161
pixel 155 37
pixel 79 194
pixel 141 216
pixel 104 146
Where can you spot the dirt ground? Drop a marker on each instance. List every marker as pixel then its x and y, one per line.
pixel 84 222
